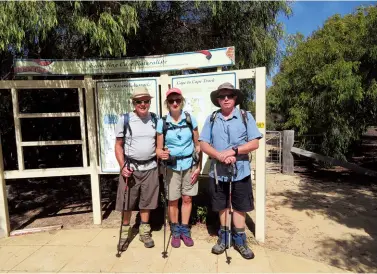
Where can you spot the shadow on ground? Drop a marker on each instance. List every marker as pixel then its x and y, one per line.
pixel 67 201
pixel 347 198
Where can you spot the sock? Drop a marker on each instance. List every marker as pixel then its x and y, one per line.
pixel 125 231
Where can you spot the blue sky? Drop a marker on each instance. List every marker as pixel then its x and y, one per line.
pixel 309 16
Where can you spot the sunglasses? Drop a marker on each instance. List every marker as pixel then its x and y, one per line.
pixel 139 102
pixel 178 101
pixel 229 96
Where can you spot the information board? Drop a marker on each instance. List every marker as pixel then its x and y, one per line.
pixel 197 89
pixel 113 99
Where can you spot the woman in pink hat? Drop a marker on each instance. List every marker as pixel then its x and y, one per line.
pixel 178 147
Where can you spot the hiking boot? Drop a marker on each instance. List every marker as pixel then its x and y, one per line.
pixel 124 237
pixel 145 235
pixel 186 235
pixel 240 243
pixel 175 239
pixel 222 241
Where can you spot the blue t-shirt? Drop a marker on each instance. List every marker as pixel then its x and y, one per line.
pixel 227 134
pixel 179 140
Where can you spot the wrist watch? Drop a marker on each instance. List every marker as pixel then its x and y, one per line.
pixel 235 150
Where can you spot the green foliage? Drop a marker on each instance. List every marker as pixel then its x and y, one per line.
pixel 25 20
pixel 326 84
pixel 201 214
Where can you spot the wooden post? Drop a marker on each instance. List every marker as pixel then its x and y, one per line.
pixel 4 213
pixel 165 85
pixel 260 178
pixel 288 162
pixel 82 125
pixel 17 127
pixel 92 141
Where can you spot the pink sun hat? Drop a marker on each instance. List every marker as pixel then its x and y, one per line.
pixel 173 90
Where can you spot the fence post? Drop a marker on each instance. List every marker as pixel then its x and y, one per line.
pixel 288 162
pixel 4 213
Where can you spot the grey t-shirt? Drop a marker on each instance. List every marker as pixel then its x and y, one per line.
pixel 142 144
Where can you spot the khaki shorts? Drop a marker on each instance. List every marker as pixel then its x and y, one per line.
pixel 143 186
pixel 179 183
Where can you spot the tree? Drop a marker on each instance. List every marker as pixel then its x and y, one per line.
pixel 94 29
pixel 327 82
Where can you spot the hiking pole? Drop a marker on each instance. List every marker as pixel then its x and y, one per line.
pixel 119 249
pixel 229 214
pixel 165 253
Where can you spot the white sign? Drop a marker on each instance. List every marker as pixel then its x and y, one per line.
pixel 113 98
pixel 196 89
pixel 154 63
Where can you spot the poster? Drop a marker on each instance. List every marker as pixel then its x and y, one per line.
pixel 113 99
pixel 196 89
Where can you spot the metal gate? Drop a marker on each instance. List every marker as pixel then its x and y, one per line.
pixel 273 151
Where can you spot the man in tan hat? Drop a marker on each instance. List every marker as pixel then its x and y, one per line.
pixel 135 151
pixel 228 136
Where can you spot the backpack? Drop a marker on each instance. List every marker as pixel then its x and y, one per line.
pixel 126 124
pixel 214 115
pixel 166 126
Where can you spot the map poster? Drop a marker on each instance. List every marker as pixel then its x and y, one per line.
pixel 113 99
pixel 196 89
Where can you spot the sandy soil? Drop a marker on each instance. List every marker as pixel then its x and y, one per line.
pixel 329 220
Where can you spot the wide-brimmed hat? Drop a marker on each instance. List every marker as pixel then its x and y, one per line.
pixel 140 92
pixel 226 86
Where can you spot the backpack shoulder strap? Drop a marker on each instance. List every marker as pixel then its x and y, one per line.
pixel 189 121
pixel 213 116
pixel 126 124
pixel 212 121
pixel 244 117
pixel 164 128
pixel 154 118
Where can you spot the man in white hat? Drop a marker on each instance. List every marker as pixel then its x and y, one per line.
pixel 135 151
pixel 228 136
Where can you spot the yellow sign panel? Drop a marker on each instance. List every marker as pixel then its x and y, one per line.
pixel 260 124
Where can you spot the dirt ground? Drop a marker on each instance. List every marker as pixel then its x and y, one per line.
pixel 328 220
pixel 325 215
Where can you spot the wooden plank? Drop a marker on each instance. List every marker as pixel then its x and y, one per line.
pixel 246 73
pixel 82 125
pixel 48 115
pixel 260 172
pixel 92 142
pixel 41 84
pixel 46 172
pixel 4 213
pixel 17 127
pixel 288 161
pixel 334 162
pixel 51 143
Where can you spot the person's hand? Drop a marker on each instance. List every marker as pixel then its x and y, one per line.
pixel 195 175
pixel 230 160
pixel 126 172
pixel 164 154
pixel 197 149
pixel 224 154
